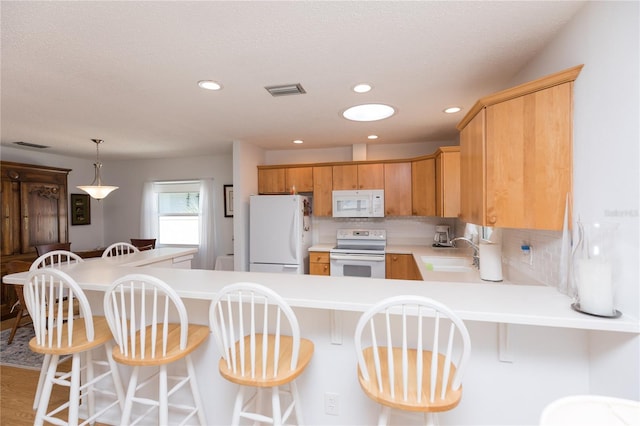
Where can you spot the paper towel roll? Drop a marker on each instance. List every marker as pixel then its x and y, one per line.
pixel 491 262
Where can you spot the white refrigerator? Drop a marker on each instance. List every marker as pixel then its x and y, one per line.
pixel 279 233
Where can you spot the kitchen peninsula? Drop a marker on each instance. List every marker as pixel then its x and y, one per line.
pixel 328 308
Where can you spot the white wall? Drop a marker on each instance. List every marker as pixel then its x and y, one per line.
pixel 122 207
pixel 605 37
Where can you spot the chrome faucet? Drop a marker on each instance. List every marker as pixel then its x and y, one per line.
pixel 476 256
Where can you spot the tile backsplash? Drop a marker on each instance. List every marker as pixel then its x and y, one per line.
pixel 543 267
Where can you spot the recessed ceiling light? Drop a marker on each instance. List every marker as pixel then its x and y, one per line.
pixel 298 141
pixel 372 137
pixel 452 110
pixel 209 85
pixel 368 112
pixel 362 88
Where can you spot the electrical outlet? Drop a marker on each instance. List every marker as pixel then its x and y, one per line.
pixel 331 403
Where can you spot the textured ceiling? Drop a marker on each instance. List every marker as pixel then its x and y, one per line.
pixel 127 72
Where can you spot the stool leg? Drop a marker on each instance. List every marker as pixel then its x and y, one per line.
pixel 46 362
pixel 131 392
pixel 195 391
pixel 275 406
pixel 115 374
pixel 385 412
pixel 296 400
pixel 163 397
pixel 237 406
pixel 74 390
pixel 91 403
pixel 42 400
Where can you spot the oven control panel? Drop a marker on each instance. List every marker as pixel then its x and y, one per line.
pixel 362 234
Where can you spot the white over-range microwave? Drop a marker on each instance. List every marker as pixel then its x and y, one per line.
pixel 361 203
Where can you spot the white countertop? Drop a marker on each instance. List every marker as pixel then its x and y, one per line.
pixel 501 303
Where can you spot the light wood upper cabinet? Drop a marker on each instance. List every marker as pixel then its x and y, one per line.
pixel 358 176
pixel 282 180
pixel 516 155
pixel 447 185
pixel 271 181
pixel 322 191
pixel 299 179
pixel 397 185
pixel 423 187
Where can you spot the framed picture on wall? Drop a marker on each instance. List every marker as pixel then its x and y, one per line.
pixel 80 209
pixel 228 200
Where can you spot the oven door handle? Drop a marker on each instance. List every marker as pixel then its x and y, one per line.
pixel 357 258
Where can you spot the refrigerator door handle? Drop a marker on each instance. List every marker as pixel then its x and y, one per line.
pixel 290 266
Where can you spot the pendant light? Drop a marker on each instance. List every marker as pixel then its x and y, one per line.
pixel 96 189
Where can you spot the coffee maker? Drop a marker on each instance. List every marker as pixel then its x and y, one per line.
pixel 442 238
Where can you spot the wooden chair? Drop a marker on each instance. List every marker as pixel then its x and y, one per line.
pixel 59 332
pixel 139 309
pixel 399 369
pixel 144 244
pixel 46 248
pixel 13 267
pixel 248 320
pixel 118 249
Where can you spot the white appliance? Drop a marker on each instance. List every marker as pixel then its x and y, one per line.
pixel 279 233
pixel 361 203
pixel 359 253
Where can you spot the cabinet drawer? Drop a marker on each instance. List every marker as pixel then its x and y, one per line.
pixel 319 269
pixel 318 257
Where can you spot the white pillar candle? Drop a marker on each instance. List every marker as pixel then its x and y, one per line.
pixel 595 289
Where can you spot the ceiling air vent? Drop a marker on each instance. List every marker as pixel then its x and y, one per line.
pixel 31 145
pixel 286 89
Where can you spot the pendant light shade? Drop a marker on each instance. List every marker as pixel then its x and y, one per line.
pixel 96 189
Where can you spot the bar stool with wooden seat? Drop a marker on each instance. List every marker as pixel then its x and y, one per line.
pixel 118 249
pixel 249 321
pixel 53 259
pixel 59 332
pixel 396 365
pixel 13 267
pixel 141 312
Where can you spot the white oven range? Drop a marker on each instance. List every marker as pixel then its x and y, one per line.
pixel 359 253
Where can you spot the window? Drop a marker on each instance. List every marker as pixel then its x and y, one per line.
pixel 178 212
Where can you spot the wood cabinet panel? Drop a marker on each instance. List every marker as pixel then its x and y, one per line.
pixel 397 185
pixel 345 177
pixel 271 181
pixel 300 178
pixel 516 155
pixel 448 183
pixel 401 267
pixel 371 176
pixel 322 191
pixel 472 175
pixel 423 187
pixel 528 165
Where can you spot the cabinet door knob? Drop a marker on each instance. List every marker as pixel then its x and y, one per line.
pixel 493 219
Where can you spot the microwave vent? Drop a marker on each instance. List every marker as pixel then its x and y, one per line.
pixel 286 89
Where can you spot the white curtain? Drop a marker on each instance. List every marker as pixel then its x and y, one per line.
pixel 149 212
pixel 205 259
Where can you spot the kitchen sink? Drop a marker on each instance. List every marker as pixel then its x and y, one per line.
pixel 447 264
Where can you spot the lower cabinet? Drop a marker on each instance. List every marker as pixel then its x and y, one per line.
pixel 401 267
pixel 319 263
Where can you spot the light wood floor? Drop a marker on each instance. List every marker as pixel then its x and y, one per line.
pixel 17 389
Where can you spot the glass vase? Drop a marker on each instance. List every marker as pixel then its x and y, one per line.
pixel 593 270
